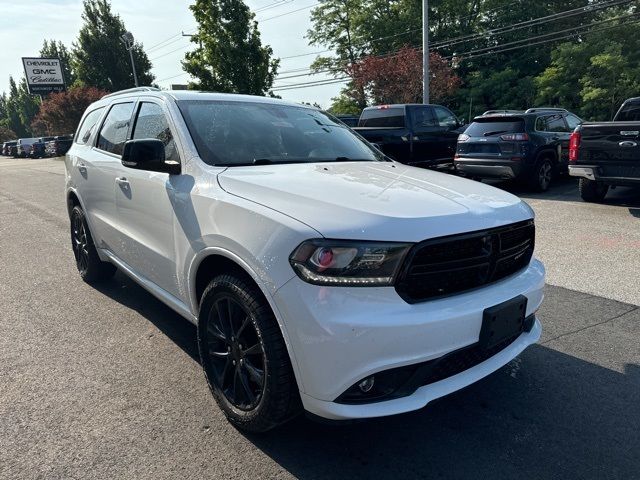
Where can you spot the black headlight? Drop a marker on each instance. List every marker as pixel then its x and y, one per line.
pixel 348 263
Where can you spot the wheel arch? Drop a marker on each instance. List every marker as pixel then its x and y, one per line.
pixel 550 153
pixel 214 261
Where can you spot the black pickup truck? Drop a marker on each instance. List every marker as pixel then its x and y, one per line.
pixel 607 154
pixel 415 134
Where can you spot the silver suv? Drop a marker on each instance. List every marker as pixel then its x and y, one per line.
pixel 321 275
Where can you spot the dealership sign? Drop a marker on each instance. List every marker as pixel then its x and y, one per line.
pixel 44 75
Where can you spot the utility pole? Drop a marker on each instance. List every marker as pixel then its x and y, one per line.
pixel 425 51
pixel 127 38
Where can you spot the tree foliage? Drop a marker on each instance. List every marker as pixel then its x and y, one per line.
pixel 229 56
pixel 398 78
pixel 472 34
pixel 18 108
pixel 57 49
pixel 61 112
pixel 7 134
pixel 100 58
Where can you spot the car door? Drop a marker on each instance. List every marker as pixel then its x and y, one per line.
pixel 448 133
pixel 101 166
pixel 145 202
pixel 425 131
pixel 559 133
pixel 87 176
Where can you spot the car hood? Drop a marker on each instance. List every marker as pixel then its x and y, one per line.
pixel 375 200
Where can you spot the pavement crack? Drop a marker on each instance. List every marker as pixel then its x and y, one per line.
pixel 566 334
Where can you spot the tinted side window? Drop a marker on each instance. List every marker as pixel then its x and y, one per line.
pixel 87 126
pixel 551 123
pixel 629 113
pixel 445 117
pixel 115 127
pixel 383 117
pixel 423 117
pixel 572 121
pixel 151 123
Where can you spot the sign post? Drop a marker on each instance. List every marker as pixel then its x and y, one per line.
pixel 44 75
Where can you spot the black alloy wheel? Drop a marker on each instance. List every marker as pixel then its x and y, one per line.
pixel 236 353
pixel 244 356
pixel 90 267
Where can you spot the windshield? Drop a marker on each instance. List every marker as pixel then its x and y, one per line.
pixel 480 128
pixel 243 133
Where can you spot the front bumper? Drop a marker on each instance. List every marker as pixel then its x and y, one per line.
pixel 339 336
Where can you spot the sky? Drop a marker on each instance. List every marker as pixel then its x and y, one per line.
pixel 27 23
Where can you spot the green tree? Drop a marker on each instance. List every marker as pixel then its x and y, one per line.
pixel 6 134
pixel 100 58
pixel 229 56
pixel 20 108
pixel 57 49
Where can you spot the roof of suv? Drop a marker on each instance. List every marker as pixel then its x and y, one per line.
pixel 195 95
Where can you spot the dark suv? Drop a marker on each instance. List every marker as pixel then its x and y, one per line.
pixel 531 146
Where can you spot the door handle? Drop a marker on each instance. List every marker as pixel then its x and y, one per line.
pixel 122 181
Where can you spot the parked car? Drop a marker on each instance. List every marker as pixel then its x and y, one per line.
pixel 532 146
pixel 23 147
pixel 349 120
pixel 58 146
pixel 321 275
pixel 13 150
pixel 6 147
pixel 38 147
pixel 418 135
pixel 607 154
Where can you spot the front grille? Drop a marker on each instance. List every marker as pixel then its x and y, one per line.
pixel 453 264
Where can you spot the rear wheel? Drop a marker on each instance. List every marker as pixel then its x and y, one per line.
pixel 542 175
pixel 592 191
pixel 90 267
pixel 244 356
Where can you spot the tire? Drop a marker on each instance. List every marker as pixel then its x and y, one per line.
pixel 90 267
pixel 542 175
pixel 253 383
pixel 592 191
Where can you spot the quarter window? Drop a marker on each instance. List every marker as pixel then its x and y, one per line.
pixel 115 128
pixel 445 117
pixel 152 123
pixel 87 126
pixel 572 121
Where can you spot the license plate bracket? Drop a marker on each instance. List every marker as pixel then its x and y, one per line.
pixel 502 321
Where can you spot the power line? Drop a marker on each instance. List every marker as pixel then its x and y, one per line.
pixel 289 12
pixel 495 50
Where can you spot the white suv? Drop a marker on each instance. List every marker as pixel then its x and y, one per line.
pixel 321 275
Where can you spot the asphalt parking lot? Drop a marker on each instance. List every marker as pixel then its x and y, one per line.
pixel 105 383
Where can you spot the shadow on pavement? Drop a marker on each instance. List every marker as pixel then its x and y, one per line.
pixel 545 415
pixel 565 188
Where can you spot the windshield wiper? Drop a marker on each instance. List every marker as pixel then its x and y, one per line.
pixel 489 134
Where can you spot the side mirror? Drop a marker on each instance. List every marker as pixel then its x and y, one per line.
pixel 148 154
pixel 462 122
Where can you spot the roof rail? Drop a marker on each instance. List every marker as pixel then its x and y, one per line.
pixel 501 112
pixel 132 90
pixel 546 109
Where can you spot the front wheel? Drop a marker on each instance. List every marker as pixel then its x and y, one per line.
pixel 592 191
pixel 244 356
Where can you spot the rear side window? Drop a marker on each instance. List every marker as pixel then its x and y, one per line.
pixel 489 127
pixel 572 121
pixel 630 112
pixel 87 126
pixel 115 128
pixel 152 123
pixel 387 117
pixel 551 123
